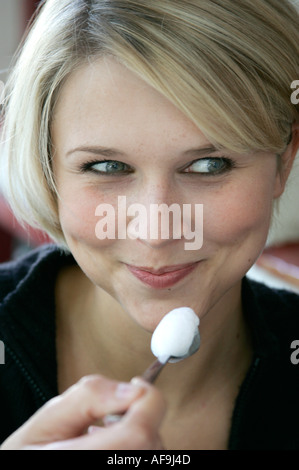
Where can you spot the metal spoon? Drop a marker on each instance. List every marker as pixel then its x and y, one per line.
pixel 152 372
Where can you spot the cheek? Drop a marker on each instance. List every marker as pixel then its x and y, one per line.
pixel 77 212
pixel 238 213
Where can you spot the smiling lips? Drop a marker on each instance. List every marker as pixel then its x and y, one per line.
pixel 163 277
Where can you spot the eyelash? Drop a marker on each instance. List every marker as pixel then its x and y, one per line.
pixel 88 167
pixel 229 165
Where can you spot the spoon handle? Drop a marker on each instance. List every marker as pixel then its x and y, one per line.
pixel 152 372
pixel 150 375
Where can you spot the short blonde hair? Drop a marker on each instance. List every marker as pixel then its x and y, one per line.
pixel 228 65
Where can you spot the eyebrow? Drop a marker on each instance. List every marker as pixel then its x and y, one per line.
pixel 111 152
pixel 201 151
pixel 104 151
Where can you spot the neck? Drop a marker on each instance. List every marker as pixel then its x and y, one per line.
pixel 119 348
pixel 222 359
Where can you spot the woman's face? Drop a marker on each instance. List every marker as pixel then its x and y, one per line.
pixel 114 136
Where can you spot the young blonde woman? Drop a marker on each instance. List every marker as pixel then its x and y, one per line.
pixel 160 102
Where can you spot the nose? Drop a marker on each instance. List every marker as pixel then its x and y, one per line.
pixel 156 220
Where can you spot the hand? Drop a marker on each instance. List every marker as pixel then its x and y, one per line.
pixel 67 421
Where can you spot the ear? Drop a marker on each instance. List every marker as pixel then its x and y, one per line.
pixel 286 161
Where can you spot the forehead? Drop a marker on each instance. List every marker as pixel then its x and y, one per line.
pixel 105 100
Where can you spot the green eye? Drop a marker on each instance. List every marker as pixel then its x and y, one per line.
pixel 110 166
pixel 210 166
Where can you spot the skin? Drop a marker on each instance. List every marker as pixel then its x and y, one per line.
pixel 154 139
pixel 102 305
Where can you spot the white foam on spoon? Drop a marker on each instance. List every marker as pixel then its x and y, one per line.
pixel 174 334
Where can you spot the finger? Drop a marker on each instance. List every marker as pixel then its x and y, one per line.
pixel 153 399
pixel 142 421
pixel 149 408
pixel 137 430
pixel 70 414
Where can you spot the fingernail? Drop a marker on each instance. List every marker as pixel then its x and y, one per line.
pixel 127 390
pixel 138 382
pixel 91 429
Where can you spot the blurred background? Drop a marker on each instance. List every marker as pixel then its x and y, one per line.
pixel 14 18
pixel 278 265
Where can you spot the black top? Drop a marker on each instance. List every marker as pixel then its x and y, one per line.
pixel 266 413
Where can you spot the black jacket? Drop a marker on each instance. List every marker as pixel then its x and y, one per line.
pixel 266 413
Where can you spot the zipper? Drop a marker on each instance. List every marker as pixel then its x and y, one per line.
pixel 26 374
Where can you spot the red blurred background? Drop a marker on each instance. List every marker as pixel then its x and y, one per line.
pixel 11 233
